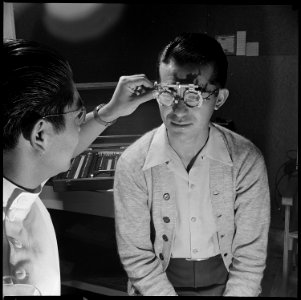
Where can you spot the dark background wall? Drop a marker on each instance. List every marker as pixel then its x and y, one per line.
pixel 263 101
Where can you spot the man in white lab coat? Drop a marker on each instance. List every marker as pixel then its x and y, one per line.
pixel 44 125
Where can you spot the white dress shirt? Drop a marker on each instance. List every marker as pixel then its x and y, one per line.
pixel 196 231
pixel 30 252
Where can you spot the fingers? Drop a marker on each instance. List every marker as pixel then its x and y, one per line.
pixel 137 87
pixel 149 95
pixel 135 81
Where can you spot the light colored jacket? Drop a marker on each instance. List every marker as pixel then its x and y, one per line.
pixel 144 200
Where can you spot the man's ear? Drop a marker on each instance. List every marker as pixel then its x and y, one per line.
pixel 41 135
pixel 221 98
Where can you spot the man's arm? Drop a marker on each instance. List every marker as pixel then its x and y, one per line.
pixel 252 220
pixel 132 221
pixel 124 101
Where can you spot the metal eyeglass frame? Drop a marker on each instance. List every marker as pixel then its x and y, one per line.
pixel 181 90
pixel 79 122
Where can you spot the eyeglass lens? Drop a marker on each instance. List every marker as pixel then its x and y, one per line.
pixel 190 98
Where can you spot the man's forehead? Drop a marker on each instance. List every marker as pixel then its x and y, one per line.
pixel 185 74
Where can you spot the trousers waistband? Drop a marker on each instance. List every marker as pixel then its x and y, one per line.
pixel 191 273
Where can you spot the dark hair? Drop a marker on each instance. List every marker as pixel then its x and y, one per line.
pixel 197 48
pixel 37 82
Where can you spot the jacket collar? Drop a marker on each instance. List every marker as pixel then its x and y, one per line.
pixel 216 148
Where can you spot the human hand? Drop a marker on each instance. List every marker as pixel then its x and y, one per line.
pixel 130 92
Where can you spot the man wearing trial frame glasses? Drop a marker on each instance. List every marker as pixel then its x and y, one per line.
pixel 191 198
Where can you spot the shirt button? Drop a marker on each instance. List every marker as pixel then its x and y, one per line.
pixel 215 192
pixel 222 235
pixel 166 219
pixel 164 237
pixel 193 219
pixel 195 250
pixel 225 254
pixel 20 274
pixel 161 256
pixel 166 196
pixel 219 216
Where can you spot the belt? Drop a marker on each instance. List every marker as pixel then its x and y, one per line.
pixel 196 259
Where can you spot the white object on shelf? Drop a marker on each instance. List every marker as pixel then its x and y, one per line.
pixel 241 37
pixel 252 49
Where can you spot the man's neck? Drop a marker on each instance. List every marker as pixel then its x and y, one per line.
pixel 20 172
pixel 187 147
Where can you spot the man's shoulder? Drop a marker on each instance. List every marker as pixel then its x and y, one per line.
pixel 238 144
pixel 137 151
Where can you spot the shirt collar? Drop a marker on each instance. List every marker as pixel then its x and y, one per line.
pixel 158 150
pixel 216 148
pixel 12 192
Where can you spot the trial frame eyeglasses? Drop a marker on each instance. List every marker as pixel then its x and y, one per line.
pixel 80 118
pixel 192 95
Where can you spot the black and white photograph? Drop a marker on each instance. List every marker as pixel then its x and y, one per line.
pixel 150 149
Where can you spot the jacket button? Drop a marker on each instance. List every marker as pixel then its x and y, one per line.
pixel 20 274
pixel 161 256
pixel 215 192
pixel 164 237
pixel 166 219
pixel 166 196
pixel 219 216
pixel 225 254
pixel 222 235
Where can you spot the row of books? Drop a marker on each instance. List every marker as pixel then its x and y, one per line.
pixel 91 164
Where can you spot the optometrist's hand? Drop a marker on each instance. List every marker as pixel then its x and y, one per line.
pixel 130 92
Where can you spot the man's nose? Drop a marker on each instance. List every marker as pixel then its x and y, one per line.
pixel 179 107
